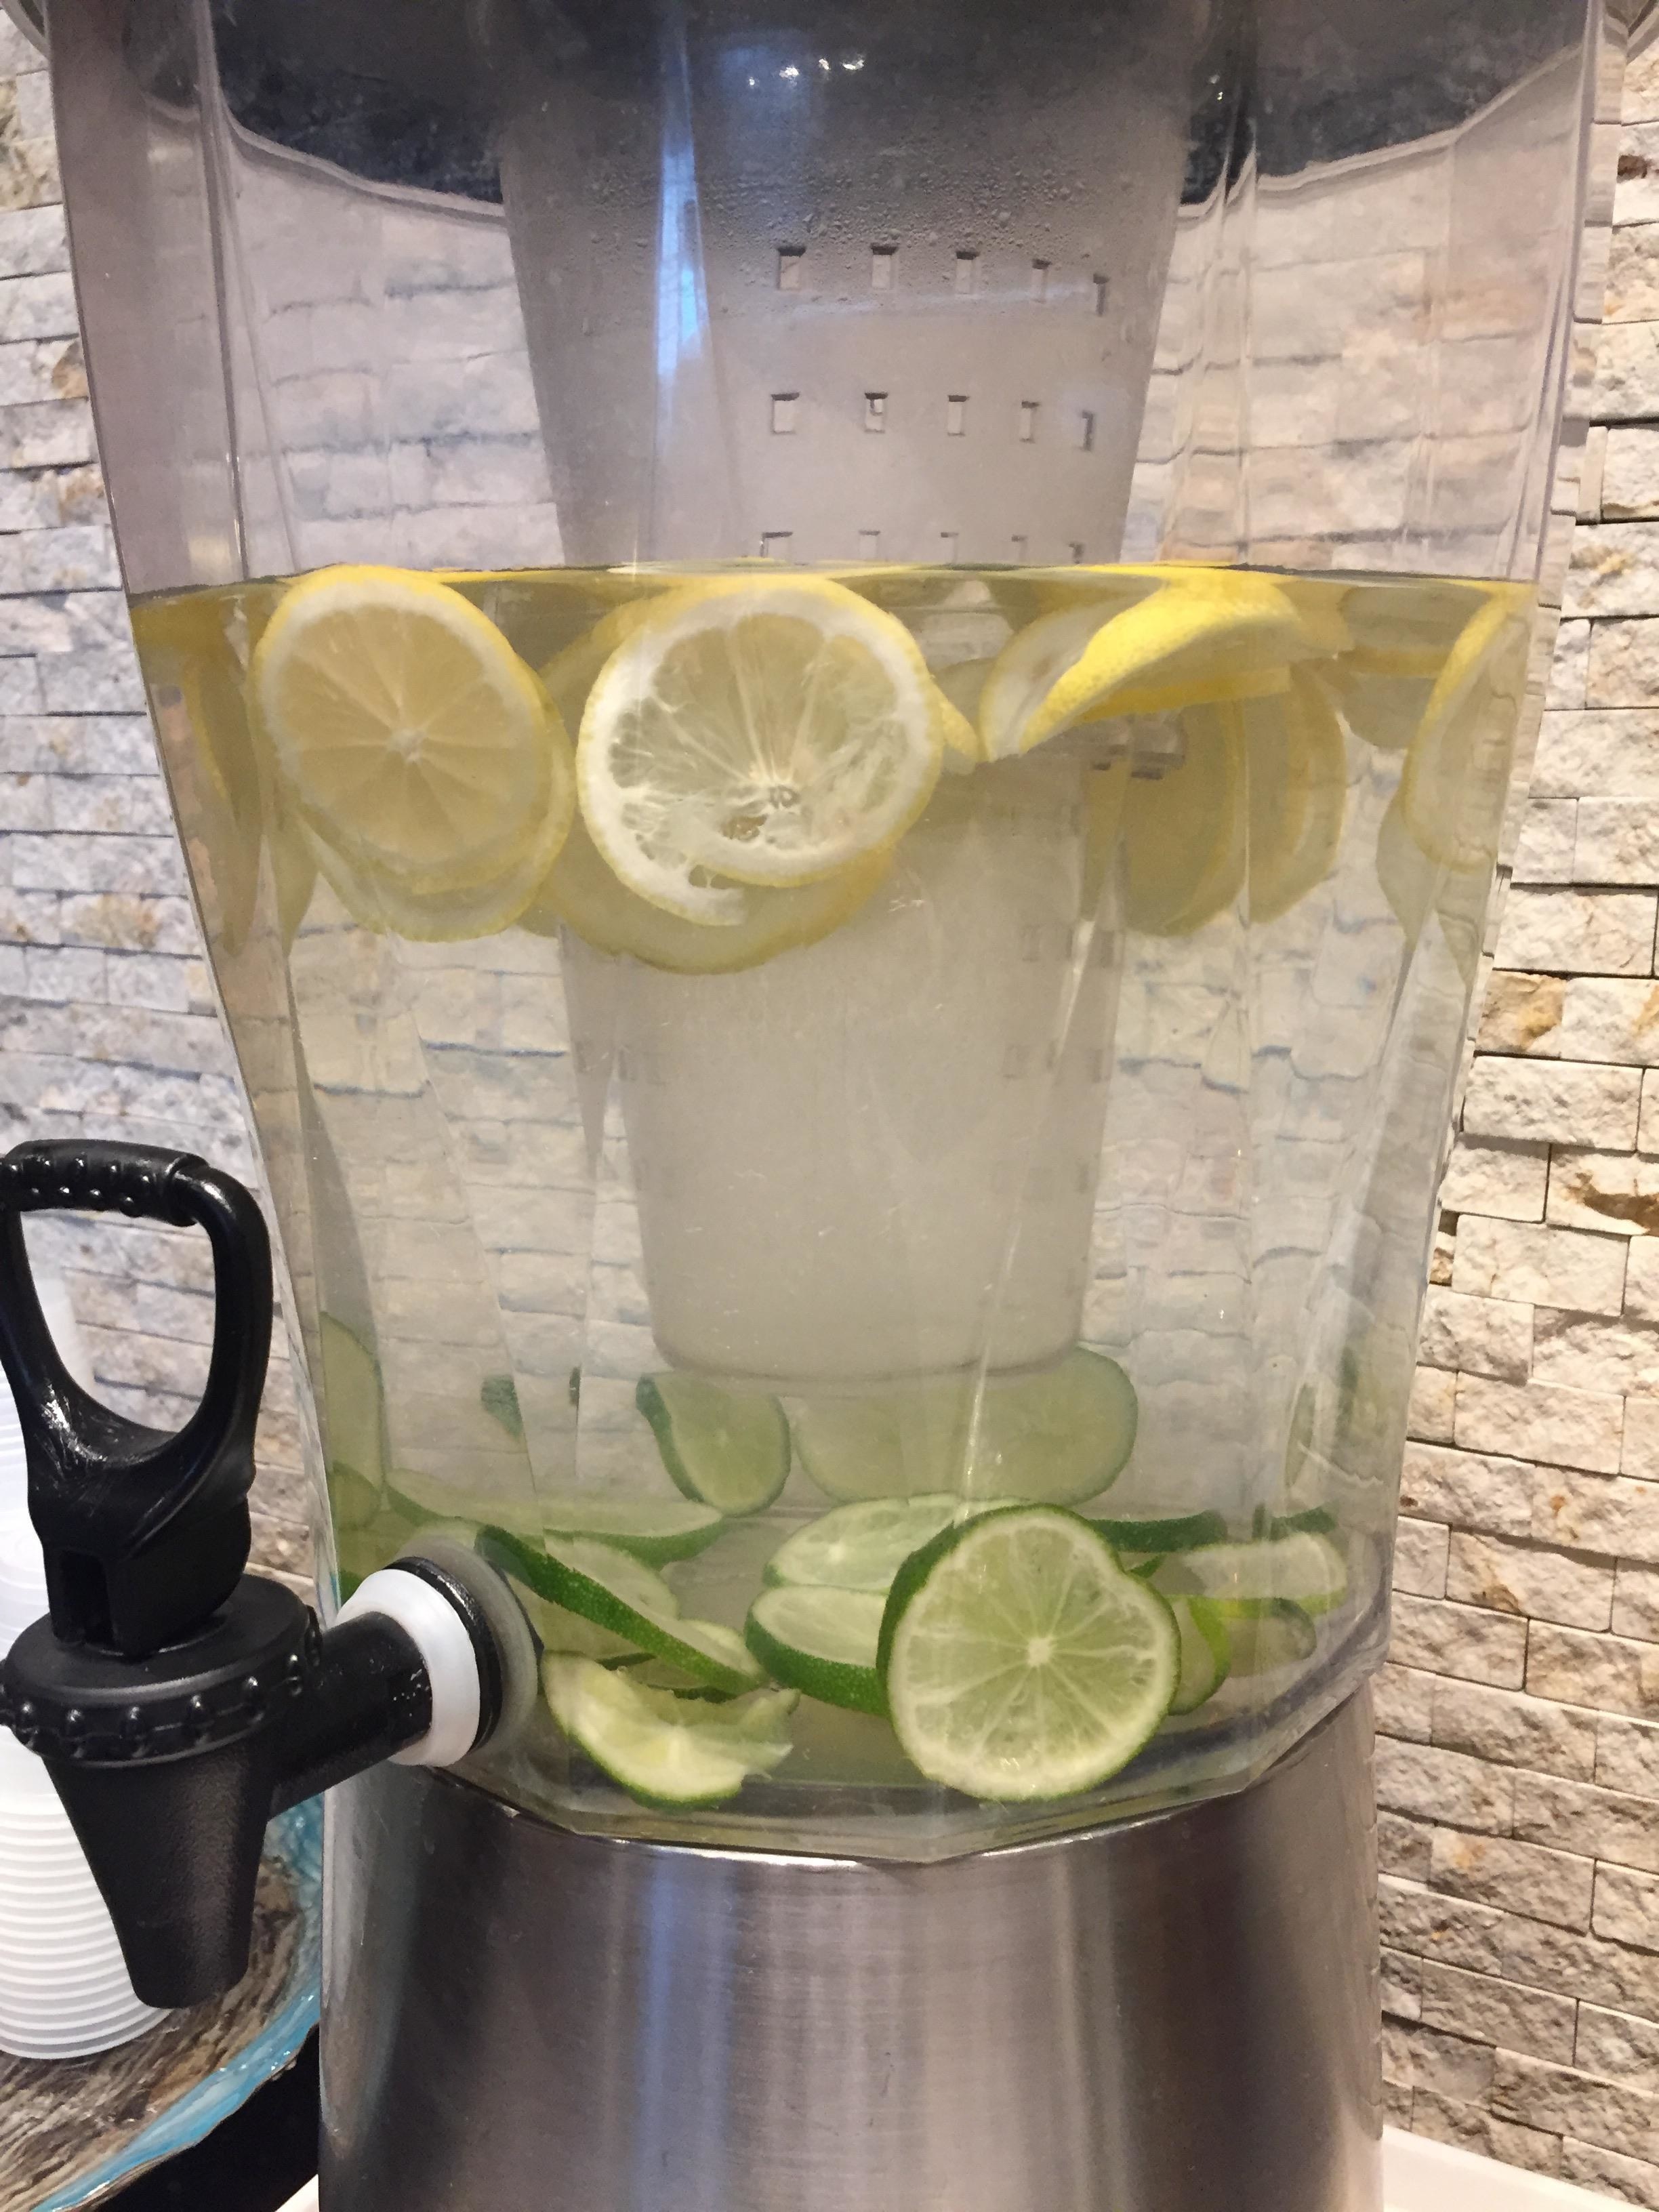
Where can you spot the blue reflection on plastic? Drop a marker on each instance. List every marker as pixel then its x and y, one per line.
pixel 296 1839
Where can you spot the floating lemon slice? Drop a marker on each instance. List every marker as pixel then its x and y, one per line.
pixel 1297 767
pixel 415 740
pixel 1211 635
pixel 1456 774
pixel 1196 636
pixel 1184 843
pixel 1399 627
pixel 381 900
pixel 582 892
pixel 768 731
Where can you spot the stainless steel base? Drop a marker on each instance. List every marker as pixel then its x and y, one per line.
pixel 1174 2014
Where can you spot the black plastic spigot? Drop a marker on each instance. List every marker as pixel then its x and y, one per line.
pixel 177 1701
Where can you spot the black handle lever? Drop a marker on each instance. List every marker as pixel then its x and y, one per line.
pixel 177 1701
pixel 145 1533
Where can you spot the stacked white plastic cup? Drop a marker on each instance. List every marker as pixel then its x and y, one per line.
pixel 64 1990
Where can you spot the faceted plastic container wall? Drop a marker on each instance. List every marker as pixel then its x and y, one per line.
pixel 839 697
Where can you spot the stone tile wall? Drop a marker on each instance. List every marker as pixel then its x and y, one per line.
pixel 108 1025
pixel 1518 1767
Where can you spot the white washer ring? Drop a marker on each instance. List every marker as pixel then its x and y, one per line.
pixel 439 1636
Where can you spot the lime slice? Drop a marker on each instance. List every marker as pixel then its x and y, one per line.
pixel 1264 1634
pixel 663 1749
pixel 353 1502
pixel 722 1448
pixel 1206 1652
pixel 1020 1661
pixel 558 1629
pixel 416 741
pixel 1455 778
pixel 862 1546
pixel 1304 1567
pixel 354 1403
pixel 1178 1533
pixel 585 893
pixel 772 732
pixel 1057 1436
pixel 1184 832
pixel 499 1396
pixel 428 1497
pixel 1297 767
pixel 620 1593
pixel 1312 1520
pixel 823 1642
pixel 652 1529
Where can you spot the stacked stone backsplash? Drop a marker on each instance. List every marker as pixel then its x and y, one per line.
pixel 1519 1760
pixel 108 1026
pixel 1518 1764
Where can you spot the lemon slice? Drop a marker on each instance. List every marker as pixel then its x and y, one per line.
pixel 770 731
pixel 583 893
pixel 1401 627
pixel 1184 840
pixel 1297 766
pixel 1019 680
pixel 1207 634
pixel 412 736
pixel 383 900
pixel 1456 774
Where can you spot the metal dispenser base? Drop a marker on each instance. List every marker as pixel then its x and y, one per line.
pixel 1172 2014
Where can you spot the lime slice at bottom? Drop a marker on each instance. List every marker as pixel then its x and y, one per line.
pixel 1267 1632
pixel 1304 1567
pixel 1020 1661
pixel 1179 1532
pixel 726 1448
pixel 821 1641
pixel 663 1749
pixel 618 1593
pixel 1055 1437
pixel 862 1546
pixel 654 1529
pixel 1207 1656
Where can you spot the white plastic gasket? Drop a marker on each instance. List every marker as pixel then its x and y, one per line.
pixel 440 1635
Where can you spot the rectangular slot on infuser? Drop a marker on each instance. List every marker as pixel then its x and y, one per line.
pixel 966 270
pixel 875 410
pixel 1102 285
pixel 1028 419
pixel 1086 432
pixel 790 258
pixel 783 413
pixel 869 545
pixel 956 415
pixel 949 541
pixel 882 261
pixel 774 545
pixel 1040 280
pixel 1019 542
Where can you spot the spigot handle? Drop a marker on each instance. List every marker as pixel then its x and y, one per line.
pixel 145 1532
